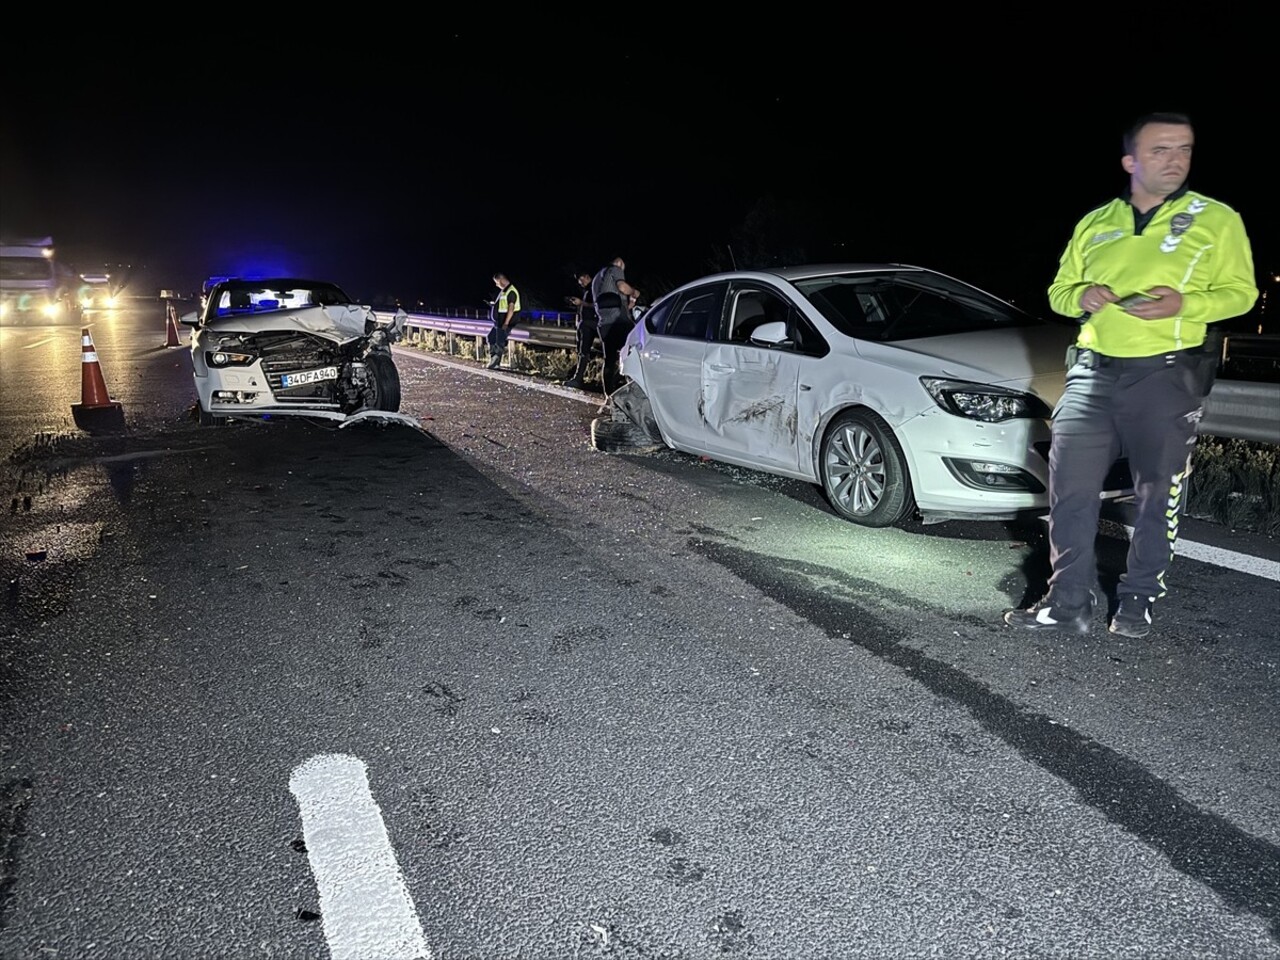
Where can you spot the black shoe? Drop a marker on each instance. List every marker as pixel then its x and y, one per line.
pixel 1048 617
pixel 573 383
pixel 1133 616
pixel 494 361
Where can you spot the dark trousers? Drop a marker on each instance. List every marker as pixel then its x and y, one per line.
pixel 587 334
pixel 615 324
pixel 1144 409
pixel 497 339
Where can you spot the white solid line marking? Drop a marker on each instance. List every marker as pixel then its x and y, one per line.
pixel 1259 567
pixel 580 395
pixel 364 904
pixel 1242 562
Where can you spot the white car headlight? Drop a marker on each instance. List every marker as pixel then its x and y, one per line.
pixel 228 358
pixel 980 401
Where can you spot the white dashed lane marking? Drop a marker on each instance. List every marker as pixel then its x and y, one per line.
pixel 364 904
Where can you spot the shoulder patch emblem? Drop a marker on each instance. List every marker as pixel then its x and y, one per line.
pixel 1181 223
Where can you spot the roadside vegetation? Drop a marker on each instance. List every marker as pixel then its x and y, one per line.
pixel 1233 482
pixel 1236 483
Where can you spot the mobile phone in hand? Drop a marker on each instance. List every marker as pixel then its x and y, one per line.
pixel 1134 299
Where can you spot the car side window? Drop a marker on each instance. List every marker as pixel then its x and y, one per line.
pixel 804 335
pixel 655 318
pixel 752 307
pixel 697 315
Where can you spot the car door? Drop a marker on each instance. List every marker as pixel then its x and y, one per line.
pixel 673 365
pixel 750 389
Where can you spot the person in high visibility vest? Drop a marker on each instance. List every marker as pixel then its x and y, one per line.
pixel 502 311
pixel 1146 275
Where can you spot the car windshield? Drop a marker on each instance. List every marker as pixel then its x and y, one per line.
pixel 893 306
pixel 261 296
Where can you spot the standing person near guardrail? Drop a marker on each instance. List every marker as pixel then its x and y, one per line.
pixel 502 311
pixel 1145 274
pixel 585 322
pixel 614 299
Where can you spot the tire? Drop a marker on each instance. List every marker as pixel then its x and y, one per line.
pixel 863 472
pixel 619 436
pixel 207 419
pixel 384 381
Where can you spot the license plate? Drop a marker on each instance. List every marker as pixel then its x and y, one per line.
pixel 309 376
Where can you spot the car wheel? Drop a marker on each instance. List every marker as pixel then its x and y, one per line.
pixel 864 474
pixel 619 436
pixel 385 380
pixel 207 419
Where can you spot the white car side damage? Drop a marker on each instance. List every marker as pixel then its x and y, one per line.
pixel 897 389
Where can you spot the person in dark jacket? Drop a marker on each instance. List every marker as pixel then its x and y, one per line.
pixel 615 300
pixel 585 321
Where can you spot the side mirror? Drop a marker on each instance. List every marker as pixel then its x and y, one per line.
pixel 190 319
pixel 770 334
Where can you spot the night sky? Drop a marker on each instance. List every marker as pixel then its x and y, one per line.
pixel 414 173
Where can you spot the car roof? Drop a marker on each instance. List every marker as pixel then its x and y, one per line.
pixel 808 270
pixel 268 282
pixel 805 272
pixel 824 269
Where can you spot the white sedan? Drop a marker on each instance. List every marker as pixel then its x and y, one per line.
pixel 267 347
pixel 900 391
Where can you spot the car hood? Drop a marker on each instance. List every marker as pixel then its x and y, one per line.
pixel 341 323
pixel 1021 358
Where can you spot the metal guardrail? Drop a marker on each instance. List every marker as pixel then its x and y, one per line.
pixel 1242 410
pixel 535 333
pixel 1234 409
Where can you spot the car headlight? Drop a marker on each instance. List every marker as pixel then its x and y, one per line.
pixel 227 358
pixel 980 401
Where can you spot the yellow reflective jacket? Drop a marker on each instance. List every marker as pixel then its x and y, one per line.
pixel 1193 243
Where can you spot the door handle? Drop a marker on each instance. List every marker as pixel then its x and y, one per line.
pixel 805 386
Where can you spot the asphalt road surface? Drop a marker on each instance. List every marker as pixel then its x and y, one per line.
pixel 473 689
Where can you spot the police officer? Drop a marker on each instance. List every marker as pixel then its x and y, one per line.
pixel 615 300
pixel 502 312
pixel 1146 274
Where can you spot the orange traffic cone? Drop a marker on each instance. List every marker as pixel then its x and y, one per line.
pixel 96 408
pixel 171 328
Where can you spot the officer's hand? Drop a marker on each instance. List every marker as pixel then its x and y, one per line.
pixel 1096 297
pixel 1169 305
